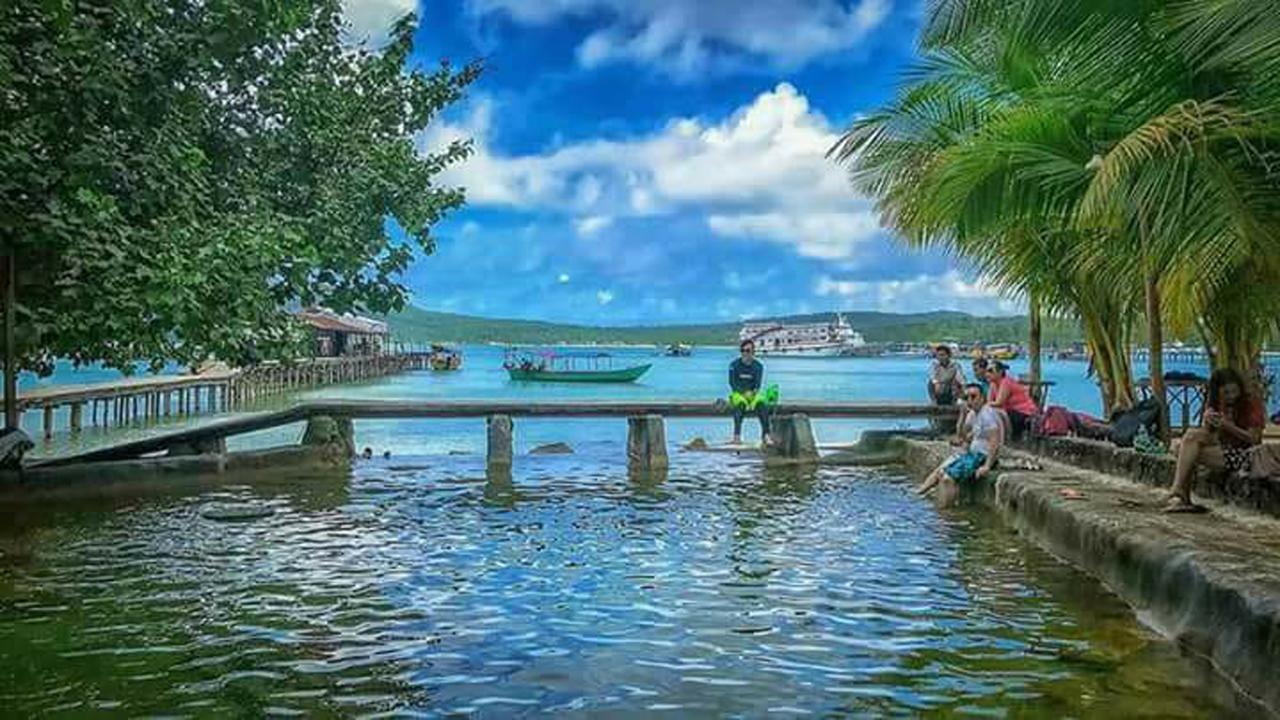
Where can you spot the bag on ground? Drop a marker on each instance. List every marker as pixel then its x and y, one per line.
pixel 1056 421
pixel 1145 414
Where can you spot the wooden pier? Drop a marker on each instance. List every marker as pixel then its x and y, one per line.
pixel 148 400
pixel 646 439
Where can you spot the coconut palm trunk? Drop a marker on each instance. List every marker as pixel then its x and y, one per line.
pixel 1155 348
pixel 1033 339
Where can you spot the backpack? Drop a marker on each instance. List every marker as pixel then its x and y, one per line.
pixel 1056 421
pixel 1145 414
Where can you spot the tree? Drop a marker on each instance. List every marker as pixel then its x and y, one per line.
pixel 1096 157
pixel 175 175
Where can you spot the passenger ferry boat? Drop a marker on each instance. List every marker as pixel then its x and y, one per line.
pixel 830 339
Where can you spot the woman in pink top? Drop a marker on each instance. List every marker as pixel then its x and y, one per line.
pixel 1012 397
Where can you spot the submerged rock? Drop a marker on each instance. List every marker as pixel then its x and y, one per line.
pixel 237 513
pixel 552 449
pixel 696 444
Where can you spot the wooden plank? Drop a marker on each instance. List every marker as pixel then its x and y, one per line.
pixel 66 394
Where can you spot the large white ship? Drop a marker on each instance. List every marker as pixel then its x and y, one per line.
pixel 830 339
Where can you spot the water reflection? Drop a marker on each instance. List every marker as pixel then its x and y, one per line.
pixel 567 587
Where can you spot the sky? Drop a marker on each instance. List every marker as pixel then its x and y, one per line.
pixel 664 161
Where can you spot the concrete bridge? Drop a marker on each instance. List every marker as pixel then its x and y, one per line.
pixel 330 422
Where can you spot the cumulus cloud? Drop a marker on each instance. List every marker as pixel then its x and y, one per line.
pixel 604 297
pixel 563 278
pixel 687 38
pixel 371 19
pixel 949 290
pixel 761 173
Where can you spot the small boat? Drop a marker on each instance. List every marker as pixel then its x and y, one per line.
pixel 679 350
pixel 586 367
pixel 444 358
pixel 999 352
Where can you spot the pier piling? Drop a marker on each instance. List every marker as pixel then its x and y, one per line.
pixel 500 442
pixel 794 435
pixel 646 443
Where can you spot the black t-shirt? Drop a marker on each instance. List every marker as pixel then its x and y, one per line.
pixel 746 376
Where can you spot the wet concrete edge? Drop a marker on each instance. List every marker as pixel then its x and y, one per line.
pixel 1210 605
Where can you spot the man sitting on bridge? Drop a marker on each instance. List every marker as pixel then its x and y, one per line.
pixel 746 375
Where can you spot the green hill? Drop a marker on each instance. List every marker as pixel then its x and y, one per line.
pixel 418 325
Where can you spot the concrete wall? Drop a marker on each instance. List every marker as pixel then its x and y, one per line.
pixel 1211 582
pixel 1257 495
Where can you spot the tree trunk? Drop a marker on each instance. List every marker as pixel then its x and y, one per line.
pixel 10 353
pixel 1155 346
pixel 1033 339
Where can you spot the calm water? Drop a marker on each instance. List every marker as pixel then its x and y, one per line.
pixel 417 586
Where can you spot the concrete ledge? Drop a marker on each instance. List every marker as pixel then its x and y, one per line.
pixel 1258 495
pixel 123 477
pixel 1212 582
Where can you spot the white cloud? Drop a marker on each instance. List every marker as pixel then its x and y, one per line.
pixel 604 297
pixel 592 224
pixel 563 278
pixel 687 38
pixel 823 235
pixel 951 290
pixel 371 19
pixel 760 173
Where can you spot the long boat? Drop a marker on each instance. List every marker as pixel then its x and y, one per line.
pixel 569 367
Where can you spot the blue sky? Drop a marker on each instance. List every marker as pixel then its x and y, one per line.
pixel 659 161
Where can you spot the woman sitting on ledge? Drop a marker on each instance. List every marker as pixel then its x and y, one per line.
pixel 1233 422
pixel 1011 396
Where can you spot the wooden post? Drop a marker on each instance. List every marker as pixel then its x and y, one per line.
pixel 646 443
pixel 48 421
pixel 133 408
pixel 500 434
pixel 77 416
pixel 195 400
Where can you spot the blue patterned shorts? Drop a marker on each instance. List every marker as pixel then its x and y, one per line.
pixel 965 467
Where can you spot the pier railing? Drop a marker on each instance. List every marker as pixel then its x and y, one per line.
pixel 646 434
pixel 144 400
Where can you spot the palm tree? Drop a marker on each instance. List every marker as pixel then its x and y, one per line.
pixel 1087 154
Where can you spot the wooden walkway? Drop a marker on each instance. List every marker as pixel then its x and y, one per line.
pixel 214 432
pixel 144 400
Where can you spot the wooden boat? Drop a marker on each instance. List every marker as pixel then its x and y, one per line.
pixel 569 367
pixel 679 350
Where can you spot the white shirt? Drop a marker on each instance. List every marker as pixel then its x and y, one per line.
pixel 945 377
pixel 979 426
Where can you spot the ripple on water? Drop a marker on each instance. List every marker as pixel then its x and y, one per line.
pixel 424 587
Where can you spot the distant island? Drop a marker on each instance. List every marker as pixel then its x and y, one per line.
pixel 417 325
